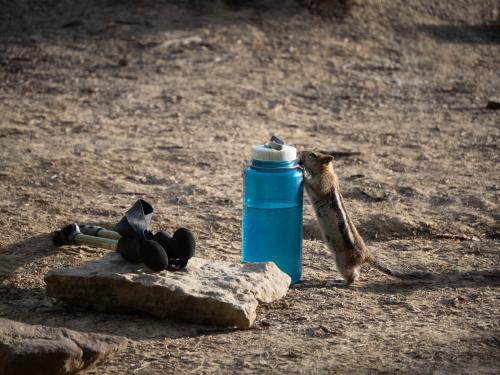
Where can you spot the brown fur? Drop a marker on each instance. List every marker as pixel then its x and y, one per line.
pixel 338 230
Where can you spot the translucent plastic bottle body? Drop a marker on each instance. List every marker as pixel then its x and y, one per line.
pixel 272 215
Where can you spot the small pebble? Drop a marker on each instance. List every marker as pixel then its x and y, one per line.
pixel 493 104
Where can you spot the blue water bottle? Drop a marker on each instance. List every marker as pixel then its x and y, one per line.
pixel 272 208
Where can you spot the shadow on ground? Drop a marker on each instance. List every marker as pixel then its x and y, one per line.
pixel 72 21
pixel 69 22
pixel 16 255
pixel 32 306
pixel 454 279
pixel 481 34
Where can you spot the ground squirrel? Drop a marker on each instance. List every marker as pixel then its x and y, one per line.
pixel 338 231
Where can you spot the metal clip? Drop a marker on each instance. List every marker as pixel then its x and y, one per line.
pixel 275 143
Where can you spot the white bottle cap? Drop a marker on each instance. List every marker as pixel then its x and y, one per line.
pixel 263 153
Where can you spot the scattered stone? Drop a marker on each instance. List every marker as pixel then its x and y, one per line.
pixel 206 291
pixel 36 349
pixel 71 24
pixel 122 62
pixel 181 42
pixel 493 104
pixel 457 237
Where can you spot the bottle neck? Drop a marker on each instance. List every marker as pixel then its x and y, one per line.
pixel 265 164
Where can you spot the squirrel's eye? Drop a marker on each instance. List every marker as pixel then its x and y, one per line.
pixel 312 155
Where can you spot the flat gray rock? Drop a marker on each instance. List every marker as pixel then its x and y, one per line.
pixel 206 291
pixel 36 349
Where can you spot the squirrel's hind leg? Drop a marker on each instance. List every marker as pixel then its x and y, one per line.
pixel 351 275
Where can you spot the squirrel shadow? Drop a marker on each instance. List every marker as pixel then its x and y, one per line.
pixel 454 279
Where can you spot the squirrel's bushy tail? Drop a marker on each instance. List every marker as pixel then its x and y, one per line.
pixel 396 273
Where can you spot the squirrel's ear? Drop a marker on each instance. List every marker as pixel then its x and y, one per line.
pixel 325 159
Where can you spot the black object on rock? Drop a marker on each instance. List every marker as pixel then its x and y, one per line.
pixel 153 255
pixel 66 235
pixel 128 247
pixel 180 247
pixel 134 241
pixel 158 252
pixel 136 220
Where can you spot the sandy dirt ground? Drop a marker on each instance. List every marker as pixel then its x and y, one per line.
pixel 103 102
